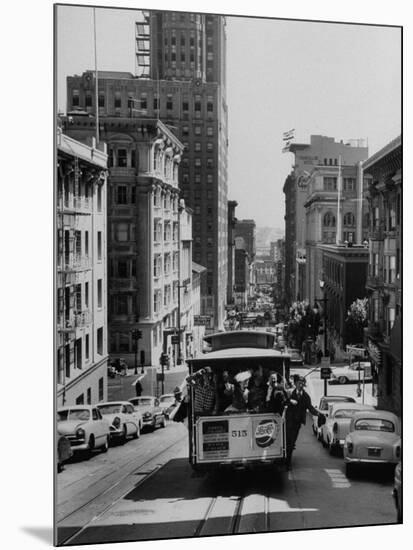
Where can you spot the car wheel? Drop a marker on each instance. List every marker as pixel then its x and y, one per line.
pixel 342 380
pixel 106 445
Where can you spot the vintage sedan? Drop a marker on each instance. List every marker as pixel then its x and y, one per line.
pixel 373 438
pixel 337 425
pixel 351 373
pixel 124 420
pixel 152 413
pixel 84 427
pixel 167 403
pixel 325 401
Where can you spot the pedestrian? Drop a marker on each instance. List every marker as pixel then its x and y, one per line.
pixel 298 405
pixel 276 397
pixel 138 388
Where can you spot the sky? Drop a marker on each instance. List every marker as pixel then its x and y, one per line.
pixel 338 80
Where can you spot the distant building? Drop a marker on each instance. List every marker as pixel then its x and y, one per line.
pixel 199 323
pixel 241 287
pixel 384 282
pixel 81 308
pixel 311 207
pixel 231 251
pixel 344 275
pixel 245 237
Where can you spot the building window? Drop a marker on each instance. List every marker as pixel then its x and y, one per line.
pixel 349 184
pixel 210 146
pixel 122 304
pixel 198 162
pixel 144 101
pixel 157 266
pixel 87 346
pixel 86 295
pixel 122 269
pixel 100 293
pixel 157 231
pixel 330 183
pixel 99 245
pixel 349 219
pixel 157 301
pixel 210 178
pixel 210 131
pixel 349 236
pixel 122 232
pixel 375 265
pixel 80 399
pixel 392 269
pixel 329 220
pixel 197 130
pixel 391 316
pixel 88 99
pixel 99 340
pixel 75 98
pixel 210 103
pixel 185 130
pixel 101 386
pixel 210 163
pixel 101 99
pixel 99 198
pixel 121 195
pixel 117 101
pixel 122 158
pixel 197 146
pixel 169 104
pixel 197 178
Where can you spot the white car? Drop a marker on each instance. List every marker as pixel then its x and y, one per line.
pixel 351 373
pixel 167 402
pixel 325 401
pixel 337 425
pixel 84 427
pixel 152 413
pixel 373 438
pixel 124 420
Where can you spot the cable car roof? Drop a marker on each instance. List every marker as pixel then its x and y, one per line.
pixel 240 353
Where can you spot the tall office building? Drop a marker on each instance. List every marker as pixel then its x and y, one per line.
pixel 181 68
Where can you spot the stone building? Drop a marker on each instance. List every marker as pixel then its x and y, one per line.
pixel 143 233
pixel 384 282
pixel 81 278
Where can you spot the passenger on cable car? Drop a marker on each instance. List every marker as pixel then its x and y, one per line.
pixel 240 395
pixel 257 391
pixel 204 392
pixel 277 397
pixel 225 392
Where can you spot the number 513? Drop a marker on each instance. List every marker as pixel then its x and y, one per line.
pixel 239 433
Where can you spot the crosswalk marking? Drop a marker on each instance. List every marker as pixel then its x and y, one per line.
pixel 338 479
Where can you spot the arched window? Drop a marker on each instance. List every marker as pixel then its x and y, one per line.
pixel 329 220
pixel 349 219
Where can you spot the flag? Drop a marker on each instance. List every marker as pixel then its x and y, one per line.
pixel 288 135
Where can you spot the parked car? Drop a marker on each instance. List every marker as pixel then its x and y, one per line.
pixel 325 401
pixel 124 420
pixel 351 373
pixel 373 438
pixel 397 492
pixel 84 427
pixel 296 359
pixel 167 403
pixel 152 414
pixel 64 451
pixel 337 425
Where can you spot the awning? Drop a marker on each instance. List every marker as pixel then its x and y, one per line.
pixel 396 339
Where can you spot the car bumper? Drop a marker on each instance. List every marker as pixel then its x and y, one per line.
pixel 349 460
pixel 78 444
pixel 115 433
pixel 148 422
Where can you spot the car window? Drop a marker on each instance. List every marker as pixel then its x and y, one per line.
pixel 109 409
pixel 142 401
pixel 95 414
pixel 130 409
pixel 156 403
pixel 344 413
pixel 75 414
pixel 124 409
pixel 374 425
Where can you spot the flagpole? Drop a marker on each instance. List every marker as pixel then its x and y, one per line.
pixel 96 78
pixel 338 224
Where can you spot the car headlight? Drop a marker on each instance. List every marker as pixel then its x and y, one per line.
pixel 116 422
pixel 147 415
pixel 80 433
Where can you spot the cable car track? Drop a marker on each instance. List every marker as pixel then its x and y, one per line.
pixel 147 476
